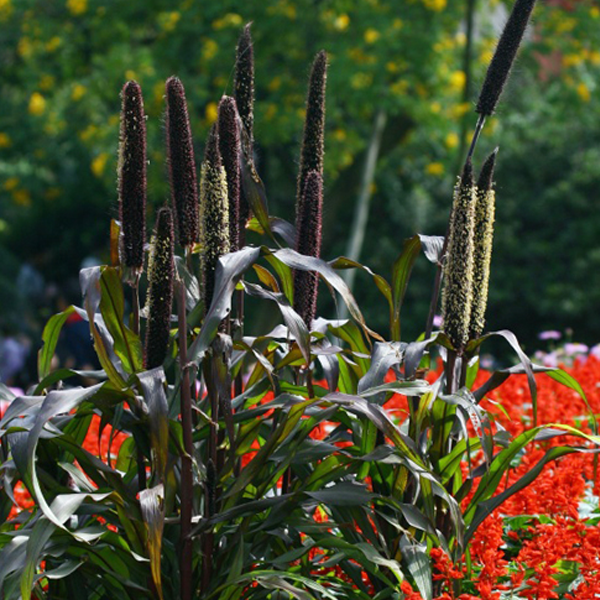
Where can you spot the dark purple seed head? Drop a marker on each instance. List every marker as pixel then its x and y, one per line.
pixel 313 142
pixel 231 154
pixel 181 162
pixel 308 242
pixel 504 57
pixel 244 82
pixel 160 291
pixel 486 175
pixel 132 175
pixel 214 214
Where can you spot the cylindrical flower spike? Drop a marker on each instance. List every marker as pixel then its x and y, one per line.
pixel 182 166
pixel 504 57
pixel 132 176
pixel 308 242
pixel 458 267
pixel 483 241
pixel 231 154
pixel 160 292
pixel 313 142
pixel 244 83
pixel 214 214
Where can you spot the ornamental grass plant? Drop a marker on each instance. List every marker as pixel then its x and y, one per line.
pixel 320 459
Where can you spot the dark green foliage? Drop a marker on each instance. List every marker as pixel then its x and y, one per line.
pixel 504 57
pixel 182 165
pixel 160 292
pixel 231 154
pixel 308 242
pixel 132 175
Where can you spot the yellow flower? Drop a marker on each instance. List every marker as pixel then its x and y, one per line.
pixel 397 23
pixel 130 74
pixel 457 81
pixel 25 47
pixel 271 111
pixel 5 9
pixel 78 92
pixel 5 141
pixel 583 92
pixel 77 7
pixel 571 60
pixel 99 164
pixel 435 5
pixel 209 49
pixel 274 84
pixel 339 135
pixel 212 112
pixel 361 80
pixel 53 43
pixel 11 183
pixel 87 133
pixel 435 107
pixel 229 20
pixel 22 197
pixel 452 140
pixel 47 82
pixel 594 57
pixel 371 36
pixel 594 12
pixel 458 110
pixel 37 104
pixel 168 20
pixel 341 23
pixel 435 168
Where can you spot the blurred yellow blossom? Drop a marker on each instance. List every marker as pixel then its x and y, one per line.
pixel 78 92
pixel 99 164
pixel 130 75
pixel 435 5
pixel 77 7
pixel 211 112
pixel 229 20
pixel 52 193
pixel 392 67
pixel 167 21
pixel 371 35
pixel 271 111
pixel 361 81
pixel 25 47
pixel 53 43
pixel 565 24
pixel 399 87
pixel 457 81
pixel 452 140
pixel 274 84
pixel 22 197
pixel 209 49
pixel 88 133
pixel 584 92
pixel 341 22
pixel 572 60
pixel 5 141
pixel 458 110
pixel 11 183
pixel 47 82
pixel 339 135
pixel 594 12
pixel 5 9
pixel 37 104
pixel 594 57
pixel 435 107
pixel 397 23
pixel 435 168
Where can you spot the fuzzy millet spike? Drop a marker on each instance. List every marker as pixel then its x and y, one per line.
pixel 483 241
pixel 308 242
pixel 244 82
pixel 231 154
pixel 458 267
pixel 313 141
pixel 160 291
pixel 214 214
pixel 132 176
pixel 504 57
pixel 182 166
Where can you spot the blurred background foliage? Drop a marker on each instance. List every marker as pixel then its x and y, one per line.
pixel 62 64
